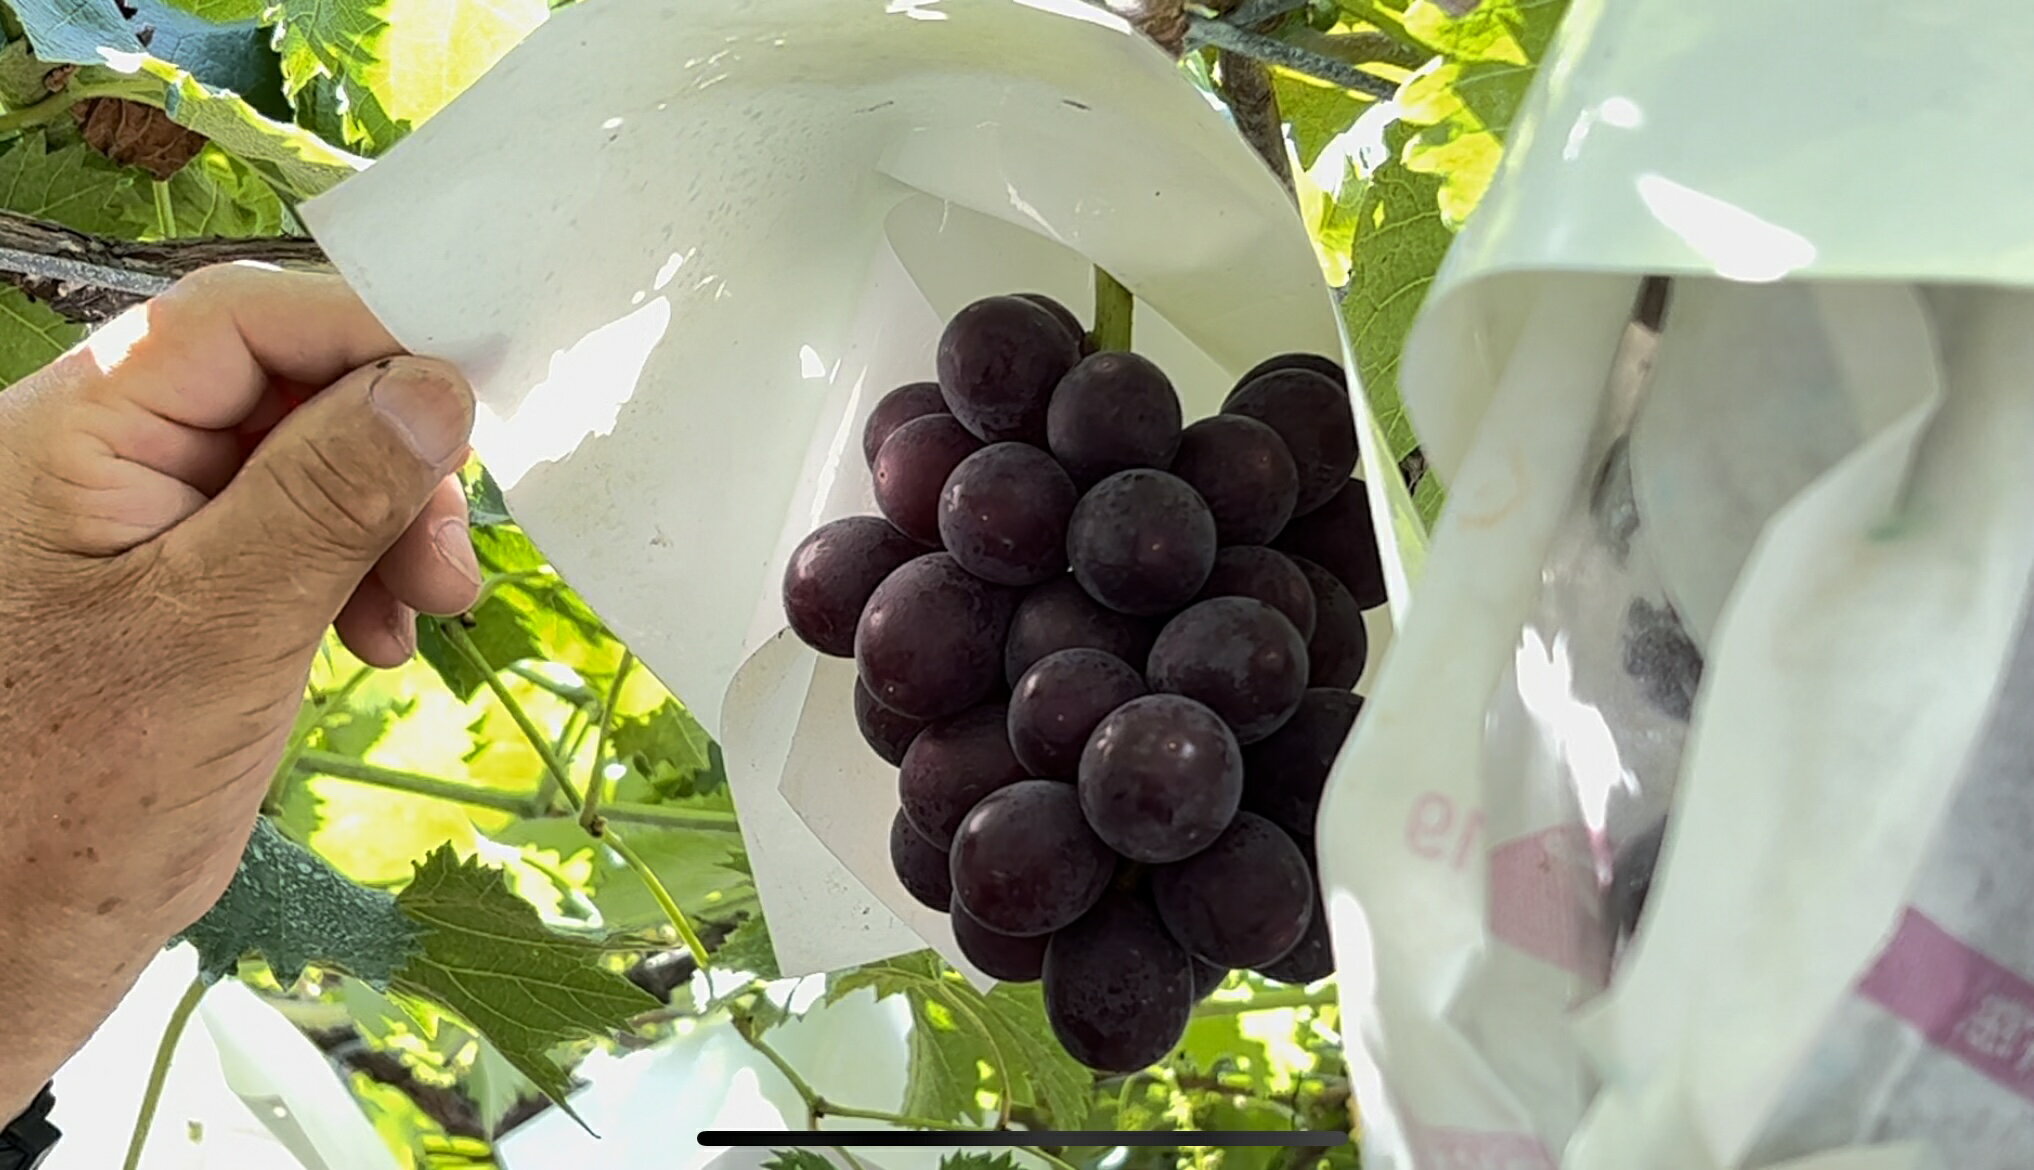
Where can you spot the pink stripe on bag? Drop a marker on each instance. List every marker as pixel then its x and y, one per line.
pixel 1468 1149
pixel 1545 900
pixel 1964 1002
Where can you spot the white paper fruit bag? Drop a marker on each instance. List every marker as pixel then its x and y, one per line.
pixel 727 230
pixel 1685 827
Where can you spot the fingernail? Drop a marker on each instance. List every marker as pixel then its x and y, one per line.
pixel 402 622
pixel 455 548
pixel 432 415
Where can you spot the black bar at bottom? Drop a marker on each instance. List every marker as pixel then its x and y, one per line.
pixel 752 1138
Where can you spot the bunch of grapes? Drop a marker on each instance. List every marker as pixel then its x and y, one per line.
pixel 1113 658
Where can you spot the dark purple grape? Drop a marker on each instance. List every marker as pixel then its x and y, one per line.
pixel 831 574
pixel 1161 778
pixel 931 639
pixel 1249 570
pixel 1025 862
pixel 1312 958
pixel 911 470
pixel 1244 901
pixel 1338 537
pixel 1067 319
pixel 1141 542
pixel 999 956
pixel 1059 701
pixel 1003 514
pixel 951 766
pixel 999 360
pixel 885 730
pixel 910 401
pixel 1118 989
pixel 1312 414
pixel 1208 978
pixel 1326 367
pixel 1284 775
pixel 1661 657
pixel 1242 469
pixel 1237 655
pixel 1059 615
pixel 922 866
pixel 1340 646
pixel 1113 412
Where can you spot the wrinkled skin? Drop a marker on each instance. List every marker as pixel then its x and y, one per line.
pixel 169 574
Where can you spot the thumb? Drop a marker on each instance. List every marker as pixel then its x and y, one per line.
pixel 333 486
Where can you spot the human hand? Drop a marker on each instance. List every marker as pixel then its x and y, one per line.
pixel 164 592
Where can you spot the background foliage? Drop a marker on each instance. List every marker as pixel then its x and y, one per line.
pixel 439 798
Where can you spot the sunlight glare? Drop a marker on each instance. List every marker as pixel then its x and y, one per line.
pixel 115 340
pixel 1736 243
pixel 1575 729
pixel 915 9
pixel 581 398
pixel 809 363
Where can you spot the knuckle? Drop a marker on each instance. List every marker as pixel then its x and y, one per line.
pixel 202 284
pixel 341 500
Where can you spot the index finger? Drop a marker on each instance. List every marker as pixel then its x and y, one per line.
pixel 204 353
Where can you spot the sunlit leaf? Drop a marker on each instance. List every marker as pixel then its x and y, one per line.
pixel 397 62
pixel 293 160
pixel 1399 241
pixel 1318 113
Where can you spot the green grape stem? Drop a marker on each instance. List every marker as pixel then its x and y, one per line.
pixel 158 1072
pixel 462 642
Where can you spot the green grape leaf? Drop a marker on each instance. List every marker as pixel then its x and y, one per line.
pixel 1009 1024
pixel 670 748
pixel 488 958
pixel 1221 1112
pixel 494 1084
pixel 692 866
pixel 233 55
pixel 1400 240
pixel 221 11
pixel 31 333
pixel 216 195
pixel 1318 113
pixel 1466 106
pixel 499 630
pixel 397 62
pixel 943 1072
pixel 290 907
pixel 72 185
pixel 748 948
pixel 1015 1014
pixel 73 32
pixel 978 1160
pixel 895 976
pixel 484 504
pixel 568 629
pixel 1444 152
pixel 798 1160
pixel 295 161
pixel 1216 1043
